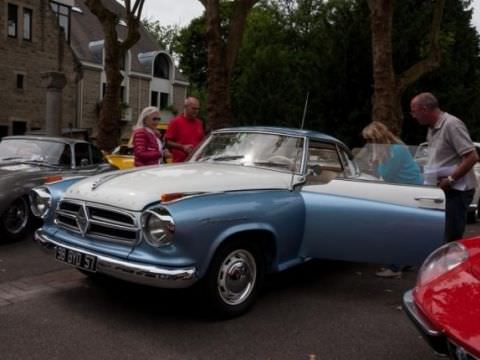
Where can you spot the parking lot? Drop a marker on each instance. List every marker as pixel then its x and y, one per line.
pixel 322 310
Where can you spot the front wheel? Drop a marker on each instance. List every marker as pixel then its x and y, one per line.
pixel 16 219
pixel 234 278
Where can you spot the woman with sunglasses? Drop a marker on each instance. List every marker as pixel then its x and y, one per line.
pixel 147 146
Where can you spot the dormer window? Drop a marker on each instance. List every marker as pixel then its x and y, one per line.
pixel 161 67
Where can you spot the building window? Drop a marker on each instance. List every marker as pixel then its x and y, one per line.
pixel 20 81
pixel 63 16
pixel 19 127
pixel 163 100
pixel 27 24
pixel 161 67
pixel 154 99
pixel 3 131
pixel 12 20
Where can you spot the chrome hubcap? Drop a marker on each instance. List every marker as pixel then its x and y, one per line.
pixel 16 216
pixel 236 277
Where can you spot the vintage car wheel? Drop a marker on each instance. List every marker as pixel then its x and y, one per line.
pixel 16 219
pixel 234 278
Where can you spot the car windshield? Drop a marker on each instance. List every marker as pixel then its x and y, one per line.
pixel 272 151
pixel 31 150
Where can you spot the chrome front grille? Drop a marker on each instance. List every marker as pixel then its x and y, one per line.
pixel 97 221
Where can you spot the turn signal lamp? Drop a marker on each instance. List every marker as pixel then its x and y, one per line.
pixel 52 178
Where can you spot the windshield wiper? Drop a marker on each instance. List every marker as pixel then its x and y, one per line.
pixel 12 158
pixel 272 164
pixel 223 158
pixel 39 162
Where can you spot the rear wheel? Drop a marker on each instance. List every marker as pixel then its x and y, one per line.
pixel 16 219
pixel 234 278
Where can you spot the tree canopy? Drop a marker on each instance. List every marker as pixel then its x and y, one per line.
pixel 292 48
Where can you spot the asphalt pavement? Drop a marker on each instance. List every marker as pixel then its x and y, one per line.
pixel 321 310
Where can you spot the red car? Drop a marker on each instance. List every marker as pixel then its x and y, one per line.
pixel 445 303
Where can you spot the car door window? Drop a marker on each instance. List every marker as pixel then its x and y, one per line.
pixel 323 162
pixel 82 155
pixel 66 156
pixel 351 170
pixel 97 156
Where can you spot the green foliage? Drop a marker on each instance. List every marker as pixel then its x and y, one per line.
pixel 165 35
pixel 294 47
pixel 191 45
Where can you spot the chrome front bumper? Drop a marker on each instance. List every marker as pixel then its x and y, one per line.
pixel 433 337
pixel 129 271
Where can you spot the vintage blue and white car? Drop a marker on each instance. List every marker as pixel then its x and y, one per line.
pixel 249 201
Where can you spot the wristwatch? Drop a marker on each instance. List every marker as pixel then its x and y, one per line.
pixel 450 179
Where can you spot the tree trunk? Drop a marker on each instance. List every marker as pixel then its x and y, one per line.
pixel 218 103
pixel 383 74
pixel 388 88
pixel 221 58
pixel 114 50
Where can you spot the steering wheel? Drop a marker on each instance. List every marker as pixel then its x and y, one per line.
pixel 281 159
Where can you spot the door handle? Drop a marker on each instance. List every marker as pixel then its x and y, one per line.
pixel 436 200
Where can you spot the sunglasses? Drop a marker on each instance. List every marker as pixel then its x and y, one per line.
pixel 156 119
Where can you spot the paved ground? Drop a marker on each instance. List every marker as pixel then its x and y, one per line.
pixel 323 310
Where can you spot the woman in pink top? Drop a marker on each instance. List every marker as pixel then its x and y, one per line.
pixel 147 146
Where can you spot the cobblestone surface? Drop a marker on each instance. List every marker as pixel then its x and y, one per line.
pixel 30 287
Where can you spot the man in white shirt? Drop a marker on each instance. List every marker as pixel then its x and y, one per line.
pixel 451 158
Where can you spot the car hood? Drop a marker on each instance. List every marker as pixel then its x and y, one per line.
pixel 134 189
pixel 10 168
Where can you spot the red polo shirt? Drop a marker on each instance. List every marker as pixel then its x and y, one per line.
pixel 185 132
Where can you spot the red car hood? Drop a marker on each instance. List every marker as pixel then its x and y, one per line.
pixel 452 301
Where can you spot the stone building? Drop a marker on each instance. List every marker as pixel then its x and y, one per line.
pixel 63 35
pixel 31 43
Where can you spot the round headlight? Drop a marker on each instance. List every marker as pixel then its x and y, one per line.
pixel 444 259
pixel 158 227
pixel 40 201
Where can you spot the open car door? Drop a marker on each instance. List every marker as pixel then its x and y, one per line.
pixel 355 219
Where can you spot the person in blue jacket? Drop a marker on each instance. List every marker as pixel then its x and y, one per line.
pixel 393 160
pixel 394 164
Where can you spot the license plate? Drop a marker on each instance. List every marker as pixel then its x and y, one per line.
pixel 77 259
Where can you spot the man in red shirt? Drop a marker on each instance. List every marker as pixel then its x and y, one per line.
pixel 185 131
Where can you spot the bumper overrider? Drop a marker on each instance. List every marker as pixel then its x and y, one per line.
pixel 129 271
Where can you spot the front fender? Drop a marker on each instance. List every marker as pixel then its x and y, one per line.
pixel 204 223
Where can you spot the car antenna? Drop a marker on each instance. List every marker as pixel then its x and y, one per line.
pixel 305 110
pixel 301 128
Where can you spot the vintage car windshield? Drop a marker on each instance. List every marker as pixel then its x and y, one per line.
pixel 272 151
pixel 392 163
pixel 31 150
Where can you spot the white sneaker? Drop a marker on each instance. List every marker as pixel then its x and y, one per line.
pixel 389 273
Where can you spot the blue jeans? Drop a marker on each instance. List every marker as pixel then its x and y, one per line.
pixel 456 213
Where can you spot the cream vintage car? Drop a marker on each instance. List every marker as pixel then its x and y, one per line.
pixel 248 202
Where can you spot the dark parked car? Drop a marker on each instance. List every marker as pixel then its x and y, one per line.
pixel 29 161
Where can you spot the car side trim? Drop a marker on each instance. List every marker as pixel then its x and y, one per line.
pixel 135 272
